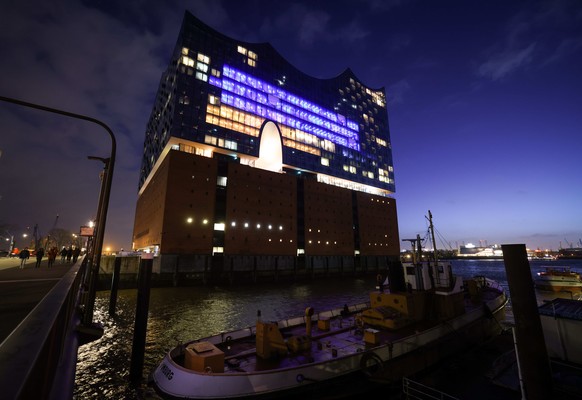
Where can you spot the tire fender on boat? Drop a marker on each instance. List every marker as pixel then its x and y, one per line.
pixel 371 363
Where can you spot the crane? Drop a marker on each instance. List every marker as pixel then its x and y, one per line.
pixel 49 232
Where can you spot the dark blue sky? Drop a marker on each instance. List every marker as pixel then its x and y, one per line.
pixel 485 103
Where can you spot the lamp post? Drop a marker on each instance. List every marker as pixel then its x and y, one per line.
pixel 106 188
pixel 95 260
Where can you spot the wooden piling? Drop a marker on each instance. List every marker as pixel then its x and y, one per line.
pixel 532 355
pixel 141 320
pixel 114 286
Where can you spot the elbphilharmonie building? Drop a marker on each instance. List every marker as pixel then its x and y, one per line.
pixel 251 165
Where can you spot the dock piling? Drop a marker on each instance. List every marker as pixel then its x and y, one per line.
pixel 532 355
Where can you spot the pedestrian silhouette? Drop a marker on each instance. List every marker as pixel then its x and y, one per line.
pixel 69 254
pixel 63 254
pixel 76 253
pixel 23 255
pixel 39 256
pixel 52 256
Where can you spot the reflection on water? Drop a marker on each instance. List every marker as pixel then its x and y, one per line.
pixel 183 314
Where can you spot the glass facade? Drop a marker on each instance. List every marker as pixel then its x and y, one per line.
pixel 218 92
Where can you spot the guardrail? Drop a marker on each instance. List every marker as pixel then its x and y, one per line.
pixel 417 391
pixel 38 359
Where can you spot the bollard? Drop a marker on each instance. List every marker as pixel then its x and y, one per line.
pixel 531 351
pixel 114 286
pixel 141 319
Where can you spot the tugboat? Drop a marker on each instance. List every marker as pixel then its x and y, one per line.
pixel 422 314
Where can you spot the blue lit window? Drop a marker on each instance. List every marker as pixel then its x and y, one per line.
pixel 247 93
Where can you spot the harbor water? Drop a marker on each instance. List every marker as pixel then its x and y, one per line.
pixel 182 314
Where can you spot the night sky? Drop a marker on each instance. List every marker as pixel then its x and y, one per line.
pixel 484 104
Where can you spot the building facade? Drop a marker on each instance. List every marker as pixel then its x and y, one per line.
pixel 250 164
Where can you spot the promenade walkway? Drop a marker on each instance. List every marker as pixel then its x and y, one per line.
pixel 22 289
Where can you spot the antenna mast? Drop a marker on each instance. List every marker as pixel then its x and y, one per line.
pixel 431 227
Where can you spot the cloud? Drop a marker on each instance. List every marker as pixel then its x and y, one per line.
pixel 396 91
pixel 309 26
pixel 541 33
pixel 565 49
pixel 503 64
pixel 83 60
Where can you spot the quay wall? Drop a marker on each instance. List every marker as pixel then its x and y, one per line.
pixel 191 270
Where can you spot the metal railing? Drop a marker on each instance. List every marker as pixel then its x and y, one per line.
pixel 38 359
pixel 418 391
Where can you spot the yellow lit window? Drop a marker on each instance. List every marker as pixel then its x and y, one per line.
pixel 187 61
pixel 205 59
pixel 242 50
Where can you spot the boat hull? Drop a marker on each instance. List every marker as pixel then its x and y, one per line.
pixel 559 286
pixel 385 363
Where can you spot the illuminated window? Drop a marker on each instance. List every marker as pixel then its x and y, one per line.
pixel 201 76
pixel 219 226
pixel 247 93
pixel 210 139
pixel 184 51
pixel 187 61
pixel 202 67
pixel 252 55
pixel 242 50
pixel 221 181
pixel 324 161
pixel 205 59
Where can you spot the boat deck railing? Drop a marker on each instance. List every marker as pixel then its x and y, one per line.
pixel 418 391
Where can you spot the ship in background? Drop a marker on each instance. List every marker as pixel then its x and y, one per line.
pixel 471 251
pixel 570 252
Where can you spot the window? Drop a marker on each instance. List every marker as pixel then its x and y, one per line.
pixel 187 61
pixel 202 67
pixel 202 58
pixel 221 181
pixel 201 76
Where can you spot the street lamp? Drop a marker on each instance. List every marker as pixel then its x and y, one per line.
pixel 104 197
